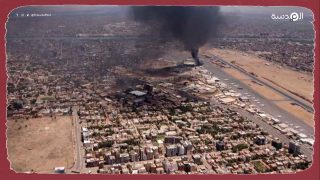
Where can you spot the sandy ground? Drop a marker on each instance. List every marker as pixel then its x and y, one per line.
pixel 298 82
pixel 40 144
pixel 271 95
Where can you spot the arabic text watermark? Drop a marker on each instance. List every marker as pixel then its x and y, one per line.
pixel 294 16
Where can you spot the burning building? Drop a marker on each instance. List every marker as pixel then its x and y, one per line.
pixel 191 25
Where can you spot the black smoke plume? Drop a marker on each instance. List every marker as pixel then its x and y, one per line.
pixel 191 25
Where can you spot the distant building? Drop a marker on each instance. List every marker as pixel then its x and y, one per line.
pixel 276 143
pixel 171 150
pixel 139 96
pixel 160 170
pixel 294 148
pixel 187 147
pixel 138 93
pixel 196 158
pixel 170 167
pixel 149 153
pixel 111 160
pixel 134 156
pixel 172 139
pixel 244 98
pixel 143 155
pixel 124 158
pixel 220 146
pixel 261 140
pixel 227 100
pixel 148 88
pixel 181 149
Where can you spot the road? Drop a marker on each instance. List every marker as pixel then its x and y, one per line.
pixel 79 153
pixel 305 149
pixel 269 107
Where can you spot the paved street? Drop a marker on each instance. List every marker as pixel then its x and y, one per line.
pixel 79 161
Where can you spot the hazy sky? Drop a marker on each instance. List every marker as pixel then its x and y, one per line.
pixel 225 9
pixel 263 10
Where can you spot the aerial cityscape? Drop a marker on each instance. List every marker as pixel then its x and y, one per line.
pixel 159 90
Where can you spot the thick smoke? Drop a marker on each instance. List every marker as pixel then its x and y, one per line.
pixel 191 25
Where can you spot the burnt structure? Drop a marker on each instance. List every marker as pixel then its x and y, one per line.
pixel 193 26
pixel 194 54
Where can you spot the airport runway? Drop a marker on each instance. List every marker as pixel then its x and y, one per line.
pixel 305 149
pixel 268 107
pixel 258 100
pixel 302 103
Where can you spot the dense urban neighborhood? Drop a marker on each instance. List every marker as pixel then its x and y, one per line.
pixel 139 107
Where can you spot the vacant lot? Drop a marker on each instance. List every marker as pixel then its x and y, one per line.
pixel 271 95
pixel 298 82
pixel 40 144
